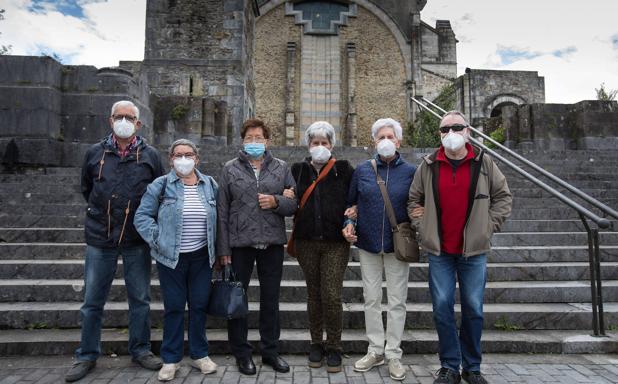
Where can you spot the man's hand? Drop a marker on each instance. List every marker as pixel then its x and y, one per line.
pixel 267 201
pixel 349 233
pixel 418 212
pixel 289 193
pixel 351 212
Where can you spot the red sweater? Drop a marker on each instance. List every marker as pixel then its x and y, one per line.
pixel 453 193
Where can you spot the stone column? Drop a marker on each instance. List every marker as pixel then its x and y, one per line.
pixel 416 46
pixel 290 120
pixel 351 123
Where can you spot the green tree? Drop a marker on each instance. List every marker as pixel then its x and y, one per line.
pixel 423 132
pixel 606 95
pixel 4 49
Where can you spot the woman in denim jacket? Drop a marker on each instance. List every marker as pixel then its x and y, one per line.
pixel 177 218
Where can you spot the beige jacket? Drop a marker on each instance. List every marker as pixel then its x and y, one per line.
pixel 491 205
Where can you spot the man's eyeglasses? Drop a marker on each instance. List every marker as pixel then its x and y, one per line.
pixel 188 155
pixel 454 127
pixel 127 117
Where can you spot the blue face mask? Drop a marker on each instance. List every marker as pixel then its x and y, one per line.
pixel 254 150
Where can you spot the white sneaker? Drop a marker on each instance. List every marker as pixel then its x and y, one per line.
pixel 205 365
pixel 370 360
pixel 396 370
pixel 168 371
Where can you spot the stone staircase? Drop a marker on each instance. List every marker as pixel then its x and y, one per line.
pixel 537 297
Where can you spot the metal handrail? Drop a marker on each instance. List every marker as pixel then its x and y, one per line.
pixel 600 221
pixel 598 323
pixel 603 207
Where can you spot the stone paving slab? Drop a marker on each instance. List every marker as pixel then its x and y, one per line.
pixel 497 368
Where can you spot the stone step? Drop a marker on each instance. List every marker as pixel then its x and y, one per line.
pixel 561 271
pixel 520 203
pixel 72 222
pixel 22 290
pixel 559 316
pixel 511 254
pixel 597 193
pixel 38 342
pixel 76 235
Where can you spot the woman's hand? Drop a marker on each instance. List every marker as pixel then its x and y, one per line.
pixel 349 233
pixel 351 212
pixel 222 261
pixel 267 201
pixel 289 193
pixel 418 212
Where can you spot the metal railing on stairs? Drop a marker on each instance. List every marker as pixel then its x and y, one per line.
pixel 598 323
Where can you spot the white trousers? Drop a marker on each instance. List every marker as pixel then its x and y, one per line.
pixel 396 273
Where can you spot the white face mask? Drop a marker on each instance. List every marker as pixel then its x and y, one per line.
pixel 453 141
pixel 184 166
pixel 386 148
pixel 319 154
pixel 124 129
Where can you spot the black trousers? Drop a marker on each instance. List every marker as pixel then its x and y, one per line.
pixel 269 269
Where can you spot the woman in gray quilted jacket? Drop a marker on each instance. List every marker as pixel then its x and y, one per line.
pixel 251 210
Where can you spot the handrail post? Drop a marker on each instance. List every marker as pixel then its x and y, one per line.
pixel 597 266
pixel 593 280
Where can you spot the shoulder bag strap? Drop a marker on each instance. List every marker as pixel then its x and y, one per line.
pixel 387 201
pixel 322 175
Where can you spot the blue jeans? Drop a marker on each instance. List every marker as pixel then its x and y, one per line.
pixel 464 348
pixel 188 283
pixel 98 275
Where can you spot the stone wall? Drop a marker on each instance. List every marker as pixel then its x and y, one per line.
pixel 203 48
pixel 479 91
pixel 380 72
pixel 48 109
pixel 585 125
pixel 273 31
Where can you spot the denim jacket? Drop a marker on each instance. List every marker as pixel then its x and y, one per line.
pixel 160 225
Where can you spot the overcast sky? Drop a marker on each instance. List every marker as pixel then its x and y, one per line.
pixel 572 43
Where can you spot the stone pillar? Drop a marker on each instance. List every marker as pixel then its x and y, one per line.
pixel 351 123
pixel 290 90
pixel 415 46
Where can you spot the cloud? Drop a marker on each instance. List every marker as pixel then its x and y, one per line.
pixel 92 32
pixel 575 51
pixel 509 55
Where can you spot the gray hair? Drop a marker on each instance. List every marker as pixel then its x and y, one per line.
pixel 125 103
pixel 455 113
pixel 321 129
pixel 388 122
pixel 183 142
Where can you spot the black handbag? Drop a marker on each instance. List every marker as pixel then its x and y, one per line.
pixel 228 299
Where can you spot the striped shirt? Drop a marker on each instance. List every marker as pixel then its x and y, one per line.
pixel 194 235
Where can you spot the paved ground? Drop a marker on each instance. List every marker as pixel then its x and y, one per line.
pixel 498 369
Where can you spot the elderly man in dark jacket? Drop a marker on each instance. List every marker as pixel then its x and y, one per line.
pixel 114 177
pixel 251 210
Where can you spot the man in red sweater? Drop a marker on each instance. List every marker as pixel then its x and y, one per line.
pixel 465 199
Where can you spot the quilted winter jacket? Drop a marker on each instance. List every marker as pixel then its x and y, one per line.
pixel 241 221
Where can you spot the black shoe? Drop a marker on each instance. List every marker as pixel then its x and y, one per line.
pixel 277 363
pixel 447 376
pixel 79 369
pixel 333 361
pixel 316 354
pixel 246 366
pixel 148 361
pixel 473 377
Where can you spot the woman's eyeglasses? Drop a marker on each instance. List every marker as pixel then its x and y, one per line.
pixel 454 127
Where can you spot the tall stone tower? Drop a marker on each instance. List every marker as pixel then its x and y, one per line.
pixel 201 51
